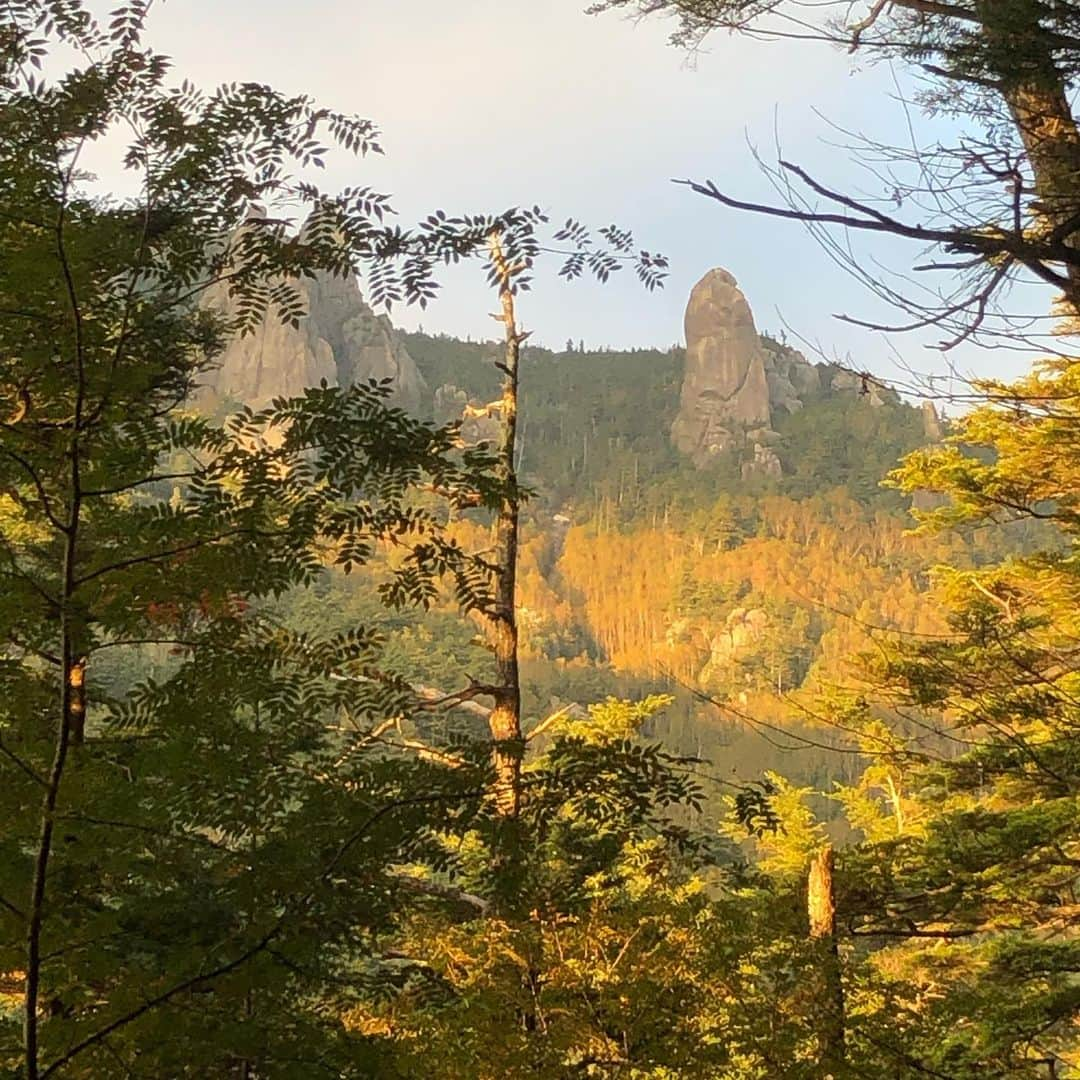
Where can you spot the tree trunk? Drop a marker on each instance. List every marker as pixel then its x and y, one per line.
pixel 508 744
pixel 821 909
pixel 70 713
pixel 1021 58
pixel 71 706
pixel 76 677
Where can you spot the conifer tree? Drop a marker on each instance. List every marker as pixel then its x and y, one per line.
pixel 983 854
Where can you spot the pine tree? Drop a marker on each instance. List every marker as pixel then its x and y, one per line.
pixel 966 882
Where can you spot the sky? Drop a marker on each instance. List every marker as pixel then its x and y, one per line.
pixel 484 104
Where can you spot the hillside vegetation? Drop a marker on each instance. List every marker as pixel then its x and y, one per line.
pixel 641 573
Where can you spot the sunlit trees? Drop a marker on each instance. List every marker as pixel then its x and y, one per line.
pixel 978 881
pixel 996 861
pixel 227 849
pixel 639 956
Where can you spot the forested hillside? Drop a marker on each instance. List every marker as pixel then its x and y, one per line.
pixel 596 433
pixel 641 572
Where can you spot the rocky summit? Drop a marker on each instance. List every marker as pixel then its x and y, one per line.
pixel 341 340
pixel 736 381
pixel 725 391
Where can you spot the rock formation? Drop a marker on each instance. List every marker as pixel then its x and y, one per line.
pixel 736 381
pixel 932 428
pixel 742 632
pixel 340 339
pixel 479 423
pixel 791 377
pixel 765 462
pixel 725 390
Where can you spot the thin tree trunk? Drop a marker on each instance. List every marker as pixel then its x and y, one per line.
pixel 77 709
pixel 821 909
pixel 71 700
pixel 508 744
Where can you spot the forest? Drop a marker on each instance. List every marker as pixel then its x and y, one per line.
pixel 496 737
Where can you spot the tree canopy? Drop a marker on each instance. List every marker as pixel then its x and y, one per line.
pixel 269 807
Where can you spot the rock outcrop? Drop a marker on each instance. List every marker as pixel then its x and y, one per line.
pixel 791 377
pixel 765 462
pixel 743 631
pixel 725 390
pixel 737 382
pixel 932 428
pixel 340 340
pixel 479 423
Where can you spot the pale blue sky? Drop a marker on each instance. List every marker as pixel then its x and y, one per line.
pixel 489 103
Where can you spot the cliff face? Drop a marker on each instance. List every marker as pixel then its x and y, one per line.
pixel 736 381
pixel 340 339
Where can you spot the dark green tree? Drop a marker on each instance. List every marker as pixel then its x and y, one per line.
pixel 197 859
pixel 191 861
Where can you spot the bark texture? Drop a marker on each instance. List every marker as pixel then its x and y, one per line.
pixel 821 910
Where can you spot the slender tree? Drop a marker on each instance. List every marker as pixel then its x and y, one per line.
pixel 514 243
pixel 505 719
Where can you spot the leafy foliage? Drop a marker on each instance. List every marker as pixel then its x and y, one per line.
pixel 201 850
pixel 241 839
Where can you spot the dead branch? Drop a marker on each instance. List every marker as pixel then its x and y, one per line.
pixel 548 721
pixel 476 905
